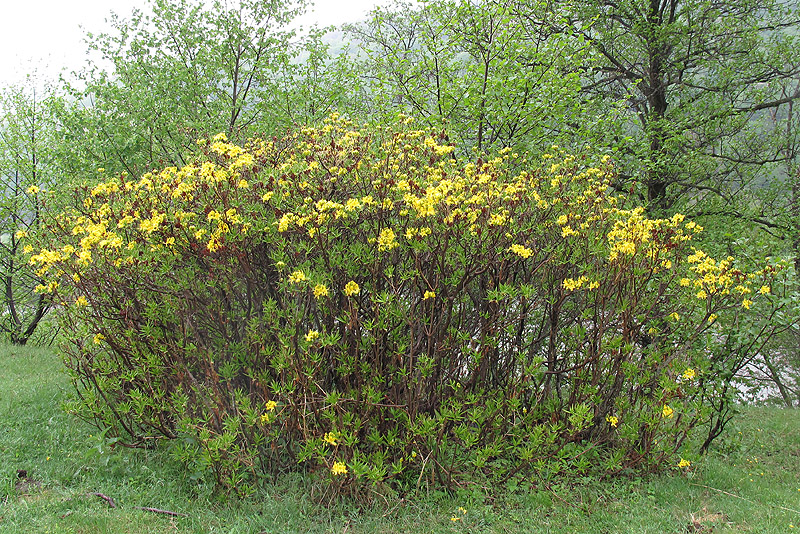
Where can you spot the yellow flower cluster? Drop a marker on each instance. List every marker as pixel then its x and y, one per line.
pixel 634 232
pixel 571 284
pixel 297 277
pixel 268 416
pixel 351 289
pixel 311 336
pixel 417 180
pixel 712 277
pixel 520 250
pixel 387 240
pixel 320 290
pixel 119 213
pixel 331 439
pixel 339 468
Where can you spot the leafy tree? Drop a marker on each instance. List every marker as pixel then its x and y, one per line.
pixel 478 67
pixel 703 78
pixel 180 70
pixel 26 176
pixel 318 82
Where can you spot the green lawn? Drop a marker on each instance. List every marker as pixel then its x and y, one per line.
pixel 750 483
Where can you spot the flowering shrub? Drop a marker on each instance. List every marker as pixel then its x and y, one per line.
pixel 356 300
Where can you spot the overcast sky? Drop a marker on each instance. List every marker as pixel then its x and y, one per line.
pixel 46 36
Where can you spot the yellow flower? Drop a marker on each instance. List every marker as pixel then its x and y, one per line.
pixel 320 291
pixel 81 301
pixel 627 247
pixel 330 438
pixel 571 284
pixel 429 295
pixel 339 468
pixel 312 335
pixel 667 412
pixel 32 190
pixel 519 250
pixel 387 240
pixel 98 338
pixel 675 316
pixel 568 231
pixel 497 219
pixel 462 510
pixel 712 318
pixel 612 420
pixel 243 184
pixel 746 303
pixel 702 295
pixel 764 290
pixel 455 518
pixel 689 374
pixel 297 276
pixel 352 204
pixel 213 244
pixel 270 405
pixel 351 289
pixel 684 463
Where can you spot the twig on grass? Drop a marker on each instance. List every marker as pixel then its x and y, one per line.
pixel 744 499
pixel 111 504
pixel 557 496
pixel 106 498
pixel 158 511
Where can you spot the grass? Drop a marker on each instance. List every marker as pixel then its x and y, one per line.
pixel 750 483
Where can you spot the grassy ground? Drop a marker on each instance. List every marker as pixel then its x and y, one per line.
pixel 751 483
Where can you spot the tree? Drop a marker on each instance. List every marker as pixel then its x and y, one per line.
pixel 182 71
pixel 317 82
pixel 26 176
pixel 479 68
pixel 701 78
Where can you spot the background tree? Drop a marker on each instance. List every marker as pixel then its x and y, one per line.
pixel 701 78
pixel 27 136
pixel 479 68
pixel 180 71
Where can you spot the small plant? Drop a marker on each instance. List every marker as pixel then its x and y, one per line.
pixel 357 300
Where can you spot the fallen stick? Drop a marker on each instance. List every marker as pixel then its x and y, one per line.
pixel 106 498
pixel 111 504
pixel 157 511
